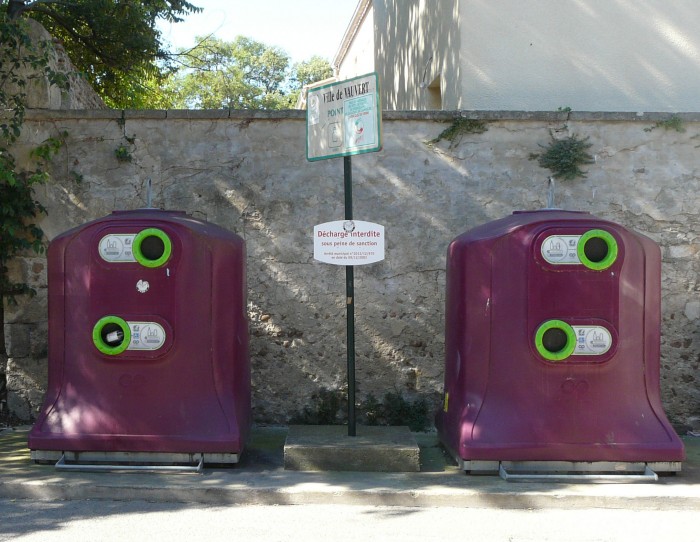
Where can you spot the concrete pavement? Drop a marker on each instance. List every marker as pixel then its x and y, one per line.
pixel 260 478
pixel 23 520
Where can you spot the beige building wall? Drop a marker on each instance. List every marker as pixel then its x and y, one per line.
pixel 356 52
pixel 413 45
pixel 417 53
pixel 590 55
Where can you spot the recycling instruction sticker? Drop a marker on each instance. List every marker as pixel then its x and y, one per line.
pixel 117 247
pixel 561 249
pixel 592 340
pixel 146 336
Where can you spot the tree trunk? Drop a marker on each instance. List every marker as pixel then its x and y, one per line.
pixel 3 358
pixel 14 9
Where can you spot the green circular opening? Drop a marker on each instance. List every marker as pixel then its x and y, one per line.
pixel 597 249
pixel 555 340
pixel 152 247
pixel 111 335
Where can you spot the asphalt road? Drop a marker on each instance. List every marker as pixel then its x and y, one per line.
pixel 95 521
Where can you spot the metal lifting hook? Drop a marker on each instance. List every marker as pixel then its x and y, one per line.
pixel 149 193
pixel 550 193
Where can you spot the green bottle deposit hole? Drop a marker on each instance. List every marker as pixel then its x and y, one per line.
pixel 555 340
pixel 597 249
pixel 111 335
pixel 152 247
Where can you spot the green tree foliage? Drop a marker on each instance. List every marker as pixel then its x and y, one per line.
pixel 114 43
pixel 310 71
pixel 315 69
pixel 242 74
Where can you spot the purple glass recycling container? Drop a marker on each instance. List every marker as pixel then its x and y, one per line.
pixel 552 343
pixel 148 338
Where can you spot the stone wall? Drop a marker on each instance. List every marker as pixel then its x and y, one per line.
pixel 247 172
pixel 40 94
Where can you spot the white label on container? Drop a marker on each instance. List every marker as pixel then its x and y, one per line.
pixel 117 247
pixel 146 336
pixel 561 249
pixel 592 340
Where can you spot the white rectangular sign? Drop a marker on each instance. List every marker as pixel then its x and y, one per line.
pixel 349 242
pixel 343 118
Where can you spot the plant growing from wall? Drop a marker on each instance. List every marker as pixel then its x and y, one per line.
pixel 458 129
pixel 565 157
pixel 325 408
pixel 395 409
pixel 22 61
pixel 672 123
pixel 122 153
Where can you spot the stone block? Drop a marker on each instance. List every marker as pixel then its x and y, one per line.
pixel 18 340
pixel 18 405
pixel 692 310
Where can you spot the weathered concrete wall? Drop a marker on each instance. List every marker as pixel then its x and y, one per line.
pixel 247 172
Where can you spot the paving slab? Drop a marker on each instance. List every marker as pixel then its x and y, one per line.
pixel 260 478
pixel 371 449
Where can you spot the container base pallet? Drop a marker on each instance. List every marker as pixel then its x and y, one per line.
pixel 571 471
pixel 132 461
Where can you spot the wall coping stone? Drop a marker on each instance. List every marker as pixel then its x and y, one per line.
pixel 297 114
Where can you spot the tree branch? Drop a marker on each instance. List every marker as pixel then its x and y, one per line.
pixel 85 41
pixel 16 8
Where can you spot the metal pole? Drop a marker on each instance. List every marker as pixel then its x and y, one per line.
pixel 350 300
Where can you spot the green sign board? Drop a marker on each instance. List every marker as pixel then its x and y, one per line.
pixel 343 118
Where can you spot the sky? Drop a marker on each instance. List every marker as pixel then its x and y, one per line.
pixel 302 28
